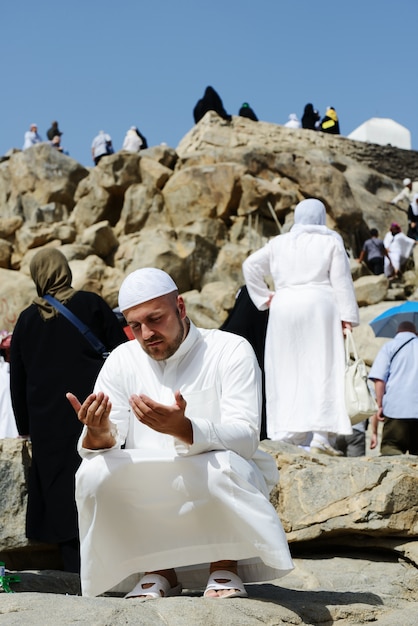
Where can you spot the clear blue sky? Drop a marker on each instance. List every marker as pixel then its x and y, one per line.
pixel 111 64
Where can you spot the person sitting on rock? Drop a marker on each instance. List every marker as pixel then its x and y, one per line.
pixel 330 123
pixel 184 498
pixel 211 101
pixel 32 137
pixel 134 141
pixel 310 117
pixel 53 131
pixel 101 146
pixel 293 121
pixel 246 111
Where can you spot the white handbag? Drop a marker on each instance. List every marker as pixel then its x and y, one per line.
pixel 359 401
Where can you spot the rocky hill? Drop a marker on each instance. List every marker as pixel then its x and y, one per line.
pixel 196 211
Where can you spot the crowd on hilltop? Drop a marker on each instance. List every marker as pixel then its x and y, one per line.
pixel 134 140
pixel 311 118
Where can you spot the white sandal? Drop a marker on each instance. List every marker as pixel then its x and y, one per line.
pixel 233 583
pixel 160 588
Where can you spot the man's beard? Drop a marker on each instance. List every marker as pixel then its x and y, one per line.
pixel 162 352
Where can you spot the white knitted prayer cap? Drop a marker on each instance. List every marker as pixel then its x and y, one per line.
pixel 144 284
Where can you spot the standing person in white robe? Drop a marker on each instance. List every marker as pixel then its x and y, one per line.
pixel 8 428
pixel 312 303
pixel 186 492
pixel 399 247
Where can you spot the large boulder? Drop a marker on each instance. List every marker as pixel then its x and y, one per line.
pixel 36 177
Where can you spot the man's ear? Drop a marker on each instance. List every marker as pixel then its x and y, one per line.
pixel 181 307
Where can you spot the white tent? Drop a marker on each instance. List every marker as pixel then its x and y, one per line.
pixel 383 131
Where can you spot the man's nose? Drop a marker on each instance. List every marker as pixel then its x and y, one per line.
pixel 146 331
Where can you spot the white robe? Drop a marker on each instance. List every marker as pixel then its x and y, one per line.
pixel 399 248
pixel 304 355
pixel 132 141
pixel 160 503
pixel 8 428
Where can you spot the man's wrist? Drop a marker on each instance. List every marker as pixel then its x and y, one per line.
pixel 95 439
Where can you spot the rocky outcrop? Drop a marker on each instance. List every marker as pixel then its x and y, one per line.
pixel 352 528
pixel 196 211
pixel 332 501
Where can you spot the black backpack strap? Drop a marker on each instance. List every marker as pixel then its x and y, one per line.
pixel 82 327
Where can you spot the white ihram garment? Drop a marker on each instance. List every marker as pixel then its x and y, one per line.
pixel 160 503
pixel 304 355
pixel 8 428
pixel 399 247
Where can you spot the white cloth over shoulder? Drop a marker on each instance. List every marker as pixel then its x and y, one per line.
pixel 160 503
pixel 304 357
pixel 399 248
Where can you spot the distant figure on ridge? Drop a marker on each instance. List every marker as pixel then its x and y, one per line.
pixel 329 123
pixel 293 121
pixel 310 117
pixel 54 131
pixel 211 101
pixel 32 137
pixel 246 111
pixel 56 143
pixel 134 141
pixel 101 146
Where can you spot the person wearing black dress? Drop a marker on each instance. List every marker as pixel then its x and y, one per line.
pixel 49 356
pixel 211 101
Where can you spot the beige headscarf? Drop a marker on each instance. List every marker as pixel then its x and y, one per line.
pixel 51 274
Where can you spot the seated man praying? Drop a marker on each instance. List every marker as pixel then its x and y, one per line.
pixel 183 504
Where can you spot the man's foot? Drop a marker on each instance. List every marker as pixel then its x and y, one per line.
pixel 153 586
pixel 224 584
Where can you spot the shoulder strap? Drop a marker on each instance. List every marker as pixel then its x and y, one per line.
pixel 82 327
pixel 400 348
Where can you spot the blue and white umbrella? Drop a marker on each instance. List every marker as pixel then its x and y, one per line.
pixel 386 324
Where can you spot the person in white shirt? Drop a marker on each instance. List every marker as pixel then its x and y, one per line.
pixel 394 373
pixel 409 190
pixel 134 141
pixel 32 137
pixel 186 498
pixel 101 146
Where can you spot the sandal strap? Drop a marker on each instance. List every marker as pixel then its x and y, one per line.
pixel 159 583
pixel 233 581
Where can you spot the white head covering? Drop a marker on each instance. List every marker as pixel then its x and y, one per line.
pixel 310 211
pixel 143 285
pixel 406 182
pixel 310 217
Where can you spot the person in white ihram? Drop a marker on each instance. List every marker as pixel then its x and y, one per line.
pixel 186 498
pixel 312 304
